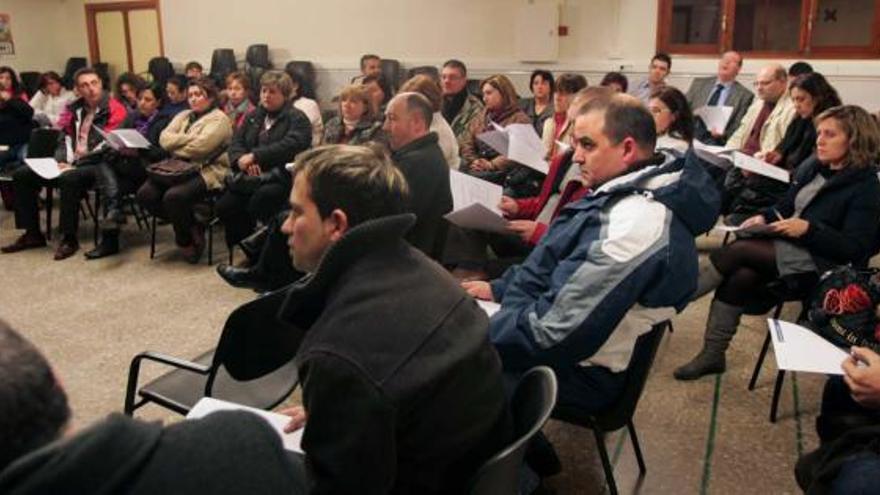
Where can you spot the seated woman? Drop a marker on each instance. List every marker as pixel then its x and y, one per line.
pixel 529 217
pixel 672 118
pixel 558 129
pixel 811 95
pixel 829 216
pixel 51 99
pixel 123 171
pixel 175 96
pixel 479 159
pixel 128 85
pixel 304 100
pixel 355 123
pixel 15 119
pixel 238 98
pixel 539 107
pixel 199 135
pixel 380 94
pixel 270 137
pixel 428 87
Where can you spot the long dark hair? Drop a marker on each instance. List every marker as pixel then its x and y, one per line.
pixel 822 92
pixel 16 83
pixel 683 125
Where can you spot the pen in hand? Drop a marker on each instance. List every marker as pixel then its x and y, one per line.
pixel 778 215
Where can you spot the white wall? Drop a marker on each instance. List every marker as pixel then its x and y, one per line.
pixel 603 35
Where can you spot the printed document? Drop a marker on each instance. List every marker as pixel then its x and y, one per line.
pixel 760 167
pixel 475 203
pixel 714 117
pixel 208 405
pixel 800 349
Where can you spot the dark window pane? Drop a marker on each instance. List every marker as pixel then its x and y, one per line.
pixel 695 22
pixel 843 23
pixel 767 25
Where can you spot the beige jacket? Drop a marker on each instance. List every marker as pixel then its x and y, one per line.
pixel 773 129
pixel 199 142
pixel 550 142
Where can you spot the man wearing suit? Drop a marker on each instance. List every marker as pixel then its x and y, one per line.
pixel 722 90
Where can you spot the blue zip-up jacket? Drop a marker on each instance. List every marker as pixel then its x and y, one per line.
pixel 610 266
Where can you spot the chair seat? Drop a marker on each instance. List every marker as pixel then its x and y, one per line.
pixel 180 389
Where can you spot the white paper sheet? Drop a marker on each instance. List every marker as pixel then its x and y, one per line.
pixel 4 147
pixel 754 229
pixel 124 138
pixel 518 142
pixel 475 203
pixel 760 167
pixel 208 405
pixel 46 168
pixel 489 307
pixel 715 117
pixel 715 155
pixel 800 349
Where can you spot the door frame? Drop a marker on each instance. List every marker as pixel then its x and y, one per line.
pixel 92 9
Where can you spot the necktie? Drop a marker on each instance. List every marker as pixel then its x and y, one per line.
pixel 716 95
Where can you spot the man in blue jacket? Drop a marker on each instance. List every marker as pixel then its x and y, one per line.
pixel 611 265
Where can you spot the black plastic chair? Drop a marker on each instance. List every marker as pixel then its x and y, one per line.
pixel 222 64
pixel 30 81
pixel 160 69
pixel 73 64
pixel 428 70
pixel 391 73
pixel 473 87
pixel 258 56
pixel 621 413
pixel 305 70
pixel 206 215
pixel 103 70
pixel 532 403
pixel 252 364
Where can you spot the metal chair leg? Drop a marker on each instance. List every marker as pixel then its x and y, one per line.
pixel 153 237
pixel 777 388
pixel 210 243
pixel 606 462
pixel 636 447
pixel 760 362
pixel 49 194
pixel 97 216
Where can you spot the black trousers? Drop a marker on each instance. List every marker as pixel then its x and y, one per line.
pixel 175 203
pixel 72 184
pixel 240 212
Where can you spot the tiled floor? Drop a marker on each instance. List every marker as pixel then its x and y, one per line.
pixel 708 436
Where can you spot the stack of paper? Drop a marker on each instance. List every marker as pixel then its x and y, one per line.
pixel 760 167
pixel 475 203
pixel 800 349
pixel 208 405
pixel 714 117
pixel 124 138
pixel 520 143
pixel 715 155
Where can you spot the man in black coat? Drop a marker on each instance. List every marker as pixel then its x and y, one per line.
pixel 416 153
pixel 268 139
pixel 401 389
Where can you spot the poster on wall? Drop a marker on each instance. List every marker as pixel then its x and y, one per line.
pixel 6 45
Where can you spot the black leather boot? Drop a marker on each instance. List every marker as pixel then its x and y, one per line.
pixel 108 246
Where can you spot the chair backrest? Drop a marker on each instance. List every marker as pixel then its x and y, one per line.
pixel 533 401
pixel 391 73
pixel 73 64
pixel 161 69
pixel 254 342
pixel 636 375
pixel 428 70
pixel 222 63
pixel 473 87
pixel 258 56
pixel 43 142
pixel 30 81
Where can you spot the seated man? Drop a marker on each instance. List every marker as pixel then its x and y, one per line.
pixel 122 455
pixel 371 66
pixel 268 138
pixel 460 107
pixel 401 387
pixel 658 69
pixel 760 131
pixel 611 265
pixel 94 108
pixel 721 90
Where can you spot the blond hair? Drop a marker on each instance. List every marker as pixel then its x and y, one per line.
pixel 861 130
pixel 357 92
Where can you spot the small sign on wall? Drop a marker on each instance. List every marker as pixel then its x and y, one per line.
pixel 6 45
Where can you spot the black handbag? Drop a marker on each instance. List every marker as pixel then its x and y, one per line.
pixel 843 307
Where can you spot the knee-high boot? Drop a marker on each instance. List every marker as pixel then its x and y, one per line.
pixel 709 279
pixel 720 329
